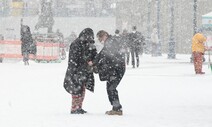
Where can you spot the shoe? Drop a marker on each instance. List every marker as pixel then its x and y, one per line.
pixel 82 110
pixel 113 112
pixel 78 111
pixel 201 73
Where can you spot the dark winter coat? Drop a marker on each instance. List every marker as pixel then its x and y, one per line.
pixel 110 61
pixel 125 41
pixel 79 73
pixel 27 45
pixel 136 41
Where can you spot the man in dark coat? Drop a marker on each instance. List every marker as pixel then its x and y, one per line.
pixel 79 74
pixel 111 67
pixel 27 45
pixel 125 43
pixel 136 43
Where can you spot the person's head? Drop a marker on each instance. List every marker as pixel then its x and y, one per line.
pixel 87 34
pixel 102 36
pixel 25 29
pixel 117 31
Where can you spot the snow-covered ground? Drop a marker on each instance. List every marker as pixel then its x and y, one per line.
pixel 160 93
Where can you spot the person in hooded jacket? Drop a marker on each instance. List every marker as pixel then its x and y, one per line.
pixel 79 75
pixel 198 50
pixel 27 45
pixel 110 62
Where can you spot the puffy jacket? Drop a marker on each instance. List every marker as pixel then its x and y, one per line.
pixel 198 43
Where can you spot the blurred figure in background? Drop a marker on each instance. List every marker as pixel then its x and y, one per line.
pixel 70 39
pixel 155 42
pixel 27 45
pixel 136 45
pixel 125 42
pixel 60 36
pixel 198 50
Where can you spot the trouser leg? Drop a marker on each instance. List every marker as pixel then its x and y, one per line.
pixel 132 57
pixel 128 57
pixel 26 58
pixel 112 90
pixel 153 49
pixel 113 94
pixel 197 56
pixel 77 100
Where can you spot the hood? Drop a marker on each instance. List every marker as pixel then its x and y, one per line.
pixel 86 34
pixel 25 29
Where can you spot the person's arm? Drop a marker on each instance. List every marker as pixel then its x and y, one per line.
pixel 208 48
pixel 73 58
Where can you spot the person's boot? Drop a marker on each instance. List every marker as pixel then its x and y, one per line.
pixel 114 112
pixel 78 111
pixel 201 73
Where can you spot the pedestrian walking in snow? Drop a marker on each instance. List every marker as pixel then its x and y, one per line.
pixel 198 49
pixel 155 42
pixel 136 45
pixel 79 75
pixel 125 42
pixel 70 39
pixel 60 36
pixel 119 40
pixel 111 67
pixel 27 45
